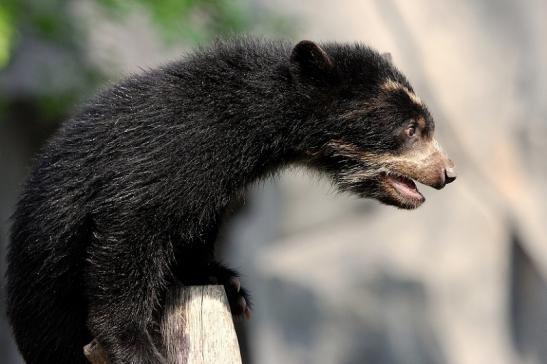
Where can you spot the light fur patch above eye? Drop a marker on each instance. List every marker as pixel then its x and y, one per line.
pixel 391 85
pixel 385 161
pixel 421 122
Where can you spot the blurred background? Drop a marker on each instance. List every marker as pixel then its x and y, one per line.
pixel 335 279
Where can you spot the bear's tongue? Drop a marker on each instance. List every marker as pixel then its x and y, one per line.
pixel 405 186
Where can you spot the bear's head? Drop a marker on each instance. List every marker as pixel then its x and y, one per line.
pixel 371 132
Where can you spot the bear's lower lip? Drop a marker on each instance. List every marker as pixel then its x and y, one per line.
pixel 405 187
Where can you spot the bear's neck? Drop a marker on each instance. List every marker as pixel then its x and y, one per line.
pixel 251 123
pixel 244 127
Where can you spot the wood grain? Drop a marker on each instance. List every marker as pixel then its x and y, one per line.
pixel 196 328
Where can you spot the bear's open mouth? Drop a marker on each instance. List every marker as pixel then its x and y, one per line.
pixel 405 187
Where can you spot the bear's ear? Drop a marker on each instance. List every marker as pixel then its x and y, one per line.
pixel 309 59
pixel 387 56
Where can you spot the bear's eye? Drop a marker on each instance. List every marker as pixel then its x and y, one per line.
pixel 411 131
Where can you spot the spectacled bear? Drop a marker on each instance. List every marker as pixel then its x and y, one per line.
pixel 127 198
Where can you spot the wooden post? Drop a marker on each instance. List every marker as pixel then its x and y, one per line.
pixel 196 328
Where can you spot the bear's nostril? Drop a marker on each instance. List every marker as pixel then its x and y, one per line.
pixel 449 174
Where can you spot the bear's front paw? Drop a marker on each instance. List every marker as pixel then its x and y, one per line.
pixel 238 297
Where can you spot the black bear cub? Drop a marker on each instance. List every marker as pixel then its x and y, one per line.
pixel 125 201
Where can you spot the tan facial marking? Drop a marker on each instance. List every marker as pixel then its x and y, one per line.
pixel 422 163
pixel 391 85
pixel 421 122
pixel 416 155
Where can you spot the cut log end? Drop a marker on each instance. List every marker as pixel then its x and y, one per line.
pixel 196 328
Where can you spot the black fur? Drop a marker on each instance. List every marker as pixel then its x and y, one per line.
pixel 126 199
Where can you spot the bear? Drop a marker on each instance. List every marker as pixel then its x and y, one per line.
pixel 126 199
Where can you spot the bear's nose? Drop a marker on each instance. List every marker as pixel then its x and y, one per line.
pixel 449 174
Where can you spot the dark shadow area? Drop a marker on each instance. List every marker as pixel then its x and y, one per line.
pixel 528 305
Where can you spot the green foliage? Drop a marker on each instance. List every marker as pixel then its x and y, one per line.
pixel 46 19
pixel 8 10
pixel 177 20
pixel 6 32
pixel 190 20
pixel 52 23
